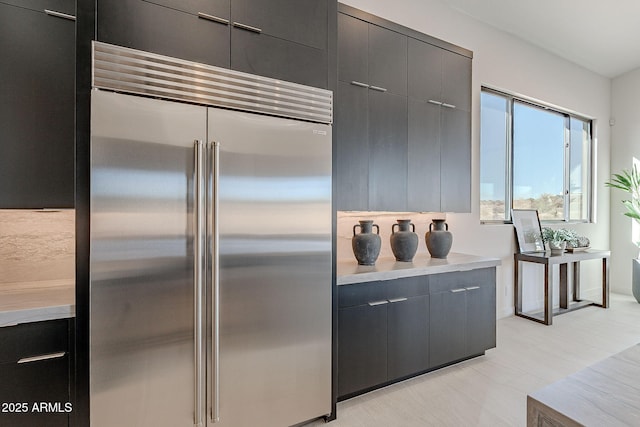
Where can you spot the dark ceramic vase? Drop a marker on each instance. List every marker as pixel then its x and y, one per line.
pixel 404 242
pixel 438 239
pixel 635 279
pixel 366 245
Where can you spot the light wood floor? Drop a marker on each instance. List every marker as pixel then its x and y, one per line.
pixel 491 390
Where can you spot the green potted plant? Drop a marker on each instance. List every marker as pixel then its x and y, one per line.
pixel 629 180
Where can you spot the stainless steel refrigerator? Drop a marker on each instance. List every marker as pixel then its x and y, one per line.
pixel 210 256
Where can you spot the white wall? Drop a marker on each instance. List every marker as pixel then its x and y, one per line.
pixel 625 137
pixel 506 62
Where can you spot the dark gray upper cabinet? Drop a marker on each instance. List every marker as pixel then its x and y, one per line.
pixel 353 49
pixel 282 39
pixel 439 75
pixel 37 106
pixel 143 25
pixel 266 55
pixel 298 21
pixel 351 163
pixel 440 122
pixel 410 168
pixel 387 60
pixel 387 152
pixel 214 8
pixel 455 160
pixel 423 167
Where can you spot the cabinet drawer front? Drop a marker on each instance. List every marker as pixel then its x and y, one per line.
pixel 272 57
pixel 407 287
pixel 461 280
pixel 146 26
pixel 64 6
pixel 33 339
pixel 217 8
pixel 362 293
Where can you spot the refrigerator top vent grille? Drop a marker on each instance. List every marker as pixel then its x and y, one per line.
pixel 138 72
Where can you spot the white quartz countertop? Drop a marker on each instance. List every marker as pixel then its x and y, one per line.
pixel 23 302
pixel 349 272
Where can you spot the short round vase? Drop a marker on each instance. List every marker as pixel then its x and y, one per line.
pixel 557 248
pixel 439 239
pixel 366 245
pixel 404 241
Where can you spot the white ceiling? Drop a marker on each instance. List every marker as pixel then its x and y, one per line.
pixel 602 36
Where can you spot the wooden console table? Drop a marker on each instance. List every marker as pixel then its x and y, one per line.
pixel 565 261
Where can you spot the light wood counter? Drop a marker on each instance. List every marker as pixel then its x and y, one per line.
pixel 23 302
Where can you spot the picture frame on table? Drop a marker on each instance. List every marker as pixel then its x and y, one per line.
pixel 528 230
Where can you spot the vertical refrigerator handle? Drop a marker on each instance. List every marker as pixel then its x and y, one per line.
pixel 198 271
pixel 215 280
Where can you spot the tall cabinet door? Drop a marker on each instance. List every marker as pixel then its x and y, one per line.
pixel 36 107
pixel 274 221
pixel 142 260
pixel 388 152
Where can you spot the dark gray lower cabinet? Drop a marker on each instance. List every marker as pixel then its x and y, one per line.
pixel 391 330
pixel 447 311
pixel 407 336
pixel 362 344
pixel 462 315
pixel 34 374
pixel 383 333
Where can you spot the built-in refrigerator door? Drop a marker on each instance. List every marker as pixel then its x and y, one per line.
pixel 274 256
pixel 142 369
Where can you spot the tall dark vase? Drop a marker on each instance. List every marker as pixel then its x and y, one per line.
pixel 635 279
pixel 366 245
pixel 438 239
pixel 404 242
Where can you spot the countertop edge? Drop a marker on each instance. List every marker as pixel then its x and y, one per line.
pixel 16 317
pixel 389 269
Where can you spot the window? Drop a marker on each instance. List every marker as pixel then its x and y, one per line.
pixel 533 157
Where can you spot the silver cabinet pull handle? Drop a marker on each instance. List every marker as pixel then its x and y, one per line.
pixel 373 304
pixel 471 288
pixel 215 271
pixel 60 15
pixel 213 18
pixel 397 299
pixel 247 27
pixel 198 278
pixel 431 101
pixel 378 88
pixel 458 290
pixel 355 83
pixel 42 357
pixel 444 104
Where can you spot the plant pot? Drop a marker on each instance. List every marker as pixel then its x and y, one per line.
pixel 635 279
pixel 557 248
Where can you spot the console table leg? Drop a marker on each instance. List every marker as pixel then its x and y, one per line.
pixel 564 288
pixel 576 281
pixel 517 292
pixel 605 282
pixel 548 294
